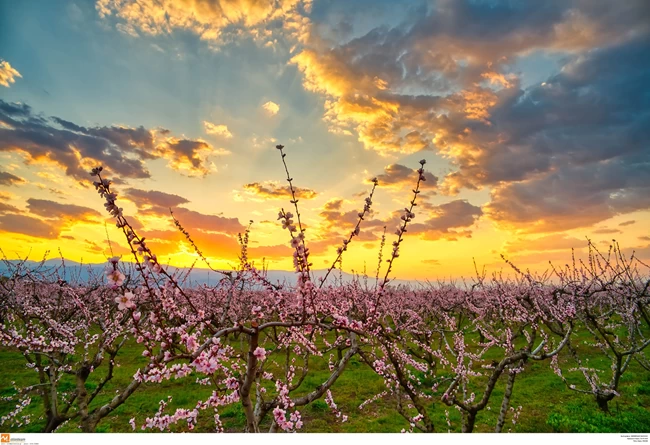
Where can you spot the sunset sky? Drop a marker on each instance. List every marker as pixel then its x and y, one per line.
pixel 533 117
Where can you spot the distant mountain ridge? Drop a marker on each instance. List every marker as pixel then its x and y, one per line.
pixel 73 271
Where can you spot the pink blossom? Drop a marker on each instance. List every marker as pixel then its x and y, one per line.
pixel 125 301
pixel 260 353
pixel 115 277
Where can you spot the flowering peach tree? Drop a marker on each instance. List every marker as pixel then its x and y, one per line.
pixel 254 344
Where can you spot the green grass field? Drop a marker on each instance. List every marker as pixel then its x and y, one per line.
pixel 548 406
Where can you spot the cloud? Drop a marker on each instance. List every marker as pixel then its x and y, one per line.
pixel 431 262
pixel 8 208
pixel 572 197
pixel 152 200
pixel 336 224
pixel 334 204
pixel 127 29
pixel 217 130
pixel 261 142
pixel 544 243
pixel 271 108
pixel 627 223
pixel 213 21
pixel 93 246
pixel 64 212
pixel 448 221
pixel 190 156
pixel 401 177
pixel 8 74
pixel 271 190
pixel 588 113
pixel 26 225
pixel 605 231
pixel 9 179
pixel 338 219
pixel 449 80
pixel 209 223
pixel 580 141
pixel 122 150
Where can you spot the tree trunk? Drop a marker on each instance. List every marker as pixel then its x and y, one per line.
pixel 89 424
pixel 53 422
pixel 603 402
pixel 505 404
pixel 245 390
pixel 468 422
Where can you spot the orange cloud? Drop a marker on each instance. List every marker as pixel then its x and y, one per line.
pixel 214 21
pixel 9 179
pixel 26 225
pixel 190 156
pixel 271 190
pixel 120 149
pixel 271 108
pixel 53 217
pixel 335 204
pixel 153 201
pixel 385 119
pixel 63 212
pixel 208 223
pixel 447 221
pixel 217 130
pixel 400 177
pixel 8 208
pixel 157 203
pixel 8 74
pixel 499 79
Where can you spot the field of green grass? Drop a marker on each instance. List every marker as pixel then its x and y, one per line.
pixel 548 406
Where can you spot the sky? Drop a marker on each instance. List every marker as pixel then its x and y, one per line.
pixel 533 119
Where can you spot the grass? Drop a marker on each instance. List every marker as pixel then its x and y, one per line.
pixel 548 406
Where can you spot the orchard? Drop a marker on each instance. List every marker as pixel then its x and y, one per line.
pixel 250 355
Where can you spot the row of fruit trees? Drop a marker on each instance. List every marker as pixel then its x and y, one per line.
pixel 254 343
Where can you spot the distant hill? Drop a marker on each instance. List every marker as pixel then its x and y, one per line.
pixel 77 272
